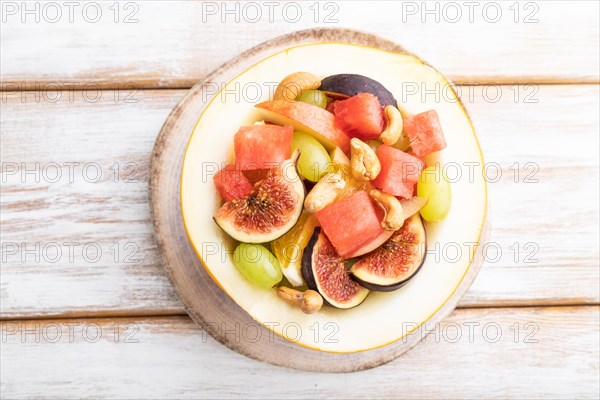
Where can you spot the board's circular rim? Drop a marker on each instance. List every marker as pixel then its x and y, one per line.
pixel 157 196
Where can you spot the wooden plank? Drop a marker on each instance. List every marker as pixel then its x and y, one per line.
pixel 540 140
pixel 558 133
pixel 174 44
pixel 475 353
pixel 112 214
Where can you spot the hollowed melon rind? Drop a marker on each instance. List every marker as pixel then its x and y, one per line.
pixel 369 325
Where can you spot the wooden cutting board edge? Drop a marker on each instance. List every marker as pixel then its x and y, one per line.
pixel 203 300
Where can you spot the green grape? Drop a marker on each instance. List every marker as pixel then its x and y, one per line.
pixel 257 264
pixel 403 143
pixel 314 160
pixel 314 97
pixel 435 186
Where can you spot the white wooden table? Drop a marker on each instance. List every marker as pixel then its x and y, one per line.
pixel 86 309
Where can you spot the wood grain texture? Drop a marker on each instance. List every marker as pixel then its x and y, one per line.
pixel 172 357
pixel 109 212
pixel 170 47
pixel 175 44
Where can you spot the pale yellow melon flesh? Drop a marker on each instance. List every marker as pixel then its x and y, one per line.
pixel 382 318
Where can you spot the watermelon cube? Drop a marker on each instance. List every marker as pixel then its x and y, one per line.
pixel 262 146
pixel 400 171
pixel 350 223
pixel 231 183
pixel 360 116
pixel 425 133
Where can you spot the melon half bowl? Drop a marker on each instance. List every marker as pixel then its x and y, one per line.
pixel 383 318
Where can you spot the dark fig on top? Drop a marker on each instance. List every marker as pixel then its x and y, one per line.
pixel 395 262
pixel 324 271
pixel 352 84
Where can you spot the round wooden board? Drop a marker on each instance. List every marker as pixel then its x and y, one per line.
pixel 204 301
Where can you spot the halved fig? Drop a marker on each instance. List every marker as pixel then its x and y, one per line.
pixel 352 84
pixel 393 264
pixel 324 271
pixel 270 210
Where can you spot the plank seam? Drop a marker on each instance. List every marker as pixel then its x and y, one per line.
pixel 72 316
pixel 5 87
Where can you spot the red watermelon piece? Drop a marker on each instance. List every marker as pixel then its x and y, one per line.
pixel 331 105
pixel 400 171
pixel 350 223
pixel 310 119
pixel 425 133
pixel 231 183
pixel 360 116
pixel 262 146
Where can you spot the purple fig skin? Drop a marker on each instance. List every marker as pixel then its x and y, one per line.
pixel 352 84
pixel 307 272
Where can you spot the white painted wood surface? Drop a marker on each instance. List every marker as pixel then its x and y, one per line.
pixel 555 356
pixel 176 43
pixel 116 213
pixel 171 47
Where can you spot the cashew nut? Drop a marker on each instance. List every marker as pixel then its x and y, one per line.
pixel 393 125
pixel 324 192
pixel 364 162
pixel 394 215
pixel 292 85
pixel 309 301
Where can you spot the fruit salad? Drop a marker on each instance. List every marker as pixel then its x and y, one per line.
pixel 327 194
